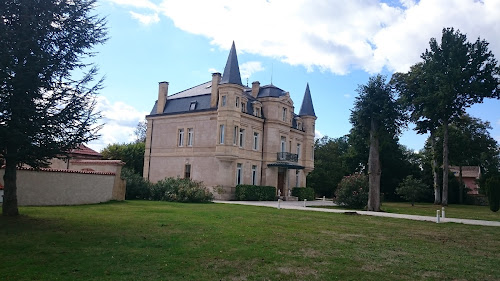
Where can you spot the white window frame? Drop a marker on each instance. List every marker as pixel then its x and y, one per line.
pixel 190 137
pixel 180 140
pixel 221 134
pixel 239 173
pixel 283 144
pixel 284 114
pixel 242 138
pixel 223 101
pixel 254 174
pixel 255 140
pixel 235 135
pixel 298 151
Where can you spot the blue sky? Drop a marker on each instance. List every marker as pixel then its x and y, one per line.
pixel 332 45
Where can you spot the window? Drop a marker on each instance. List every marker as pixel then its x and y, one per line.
pixel 190 136
pixel 235 135
pixel 221 138
pixel 181 137
pixel 297 178
pixel 237 101
pixel 254 175
pixel 243 107
pixel 284 114
pixel 255 141
pixel 187 171
pixel 298 151
pixel 283 144
pixel 223 101
pixel 238 174
pixel 242 137
pixel 192 106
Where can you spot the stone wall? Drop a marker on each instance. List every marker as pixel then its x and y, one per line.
pixel 66 187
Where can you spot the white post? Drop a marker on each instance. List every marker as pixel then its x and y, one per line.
pixel 279 203
pixel 305 200
pixel 324 199
pixel 442 213
pixel 437 216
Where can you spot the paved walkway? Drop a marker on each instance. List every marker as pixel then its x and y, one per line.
pixel 299 205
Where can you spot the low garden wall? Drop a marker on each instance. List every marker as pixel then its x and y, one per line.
pixel 66 187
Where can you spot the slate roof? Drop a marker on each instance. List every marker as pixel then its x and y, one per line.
pixel 307 108
pixel 270 91
pixel 231 73
pixel 181 101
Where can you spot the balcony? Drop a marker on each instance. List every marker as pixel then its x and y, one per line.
pixel 287 156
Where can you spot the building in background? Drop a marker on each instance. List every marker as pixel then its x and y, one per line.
pixel 224 134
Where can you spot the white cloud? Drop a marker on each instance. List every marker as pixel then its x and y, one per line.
pixel 120 121
pixel 318 134
pixel 249 68
pixel 336 36
pixel 145 19
pixel 347 96
pixel 212 70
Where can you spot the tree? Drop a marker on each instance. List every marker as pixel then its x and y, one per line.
pixel 453 76
pixel 411 189
pixel 329 165
pixel 493 190
pixel 130 153
pixel 44 112
pixel 140 131
pixel 376 114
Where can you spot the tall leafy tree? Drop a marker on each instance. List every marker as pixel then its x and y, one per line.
pixel 453 76
pixel 376 114
pixel 44 111
pixel 130 153
pixel 330 156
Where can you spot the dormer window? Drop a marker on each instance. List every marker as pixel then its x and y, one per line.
pixel 192 106
pixel 284 114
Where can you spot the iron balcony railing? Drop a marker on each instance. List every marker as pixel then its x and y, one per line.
pixel 287 156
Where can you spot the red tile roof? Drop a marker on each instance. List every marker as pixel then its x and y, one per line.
pixel 66 171
pixel 85 150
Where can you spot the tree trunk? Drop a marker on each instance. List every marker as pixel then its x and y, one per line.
pixel 434 165
pixel 461 186
pixel 374 170
pixel 9 207
pixel 444 200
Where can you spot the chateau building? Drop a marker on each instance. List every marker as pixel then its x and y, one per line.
pixel 224 134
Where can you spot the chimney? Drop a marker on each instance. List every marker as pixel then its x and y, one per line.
pixel 255 88
pixel 215 89
pixel 162 97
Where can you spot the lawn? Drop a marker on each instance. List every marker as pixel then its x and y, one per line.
pixel 137 240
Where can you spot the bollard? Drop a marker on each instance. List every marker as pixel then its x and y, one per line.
pixel 279 203
pixel 442 213
pixel 437 216
pixel 305 200
pixel 324 199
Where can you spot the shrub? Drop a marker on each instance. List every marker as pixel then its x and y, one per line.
pixel 303 193
pixel 493 192
pixel 255 192
pixel 136 186
pixel 180 190
pixel 352 191
pixel 412 189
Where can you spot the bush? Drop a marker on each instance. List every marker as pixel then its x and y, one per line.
pixel 352 191
pixel 136 186
pixel 180 190
pixel 255 192
pixel 493 192
pixel 303 193
pixel 412 189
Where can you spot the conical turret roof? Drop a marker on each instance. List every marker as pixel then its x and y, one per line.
pixel 307 108
pixel 232 70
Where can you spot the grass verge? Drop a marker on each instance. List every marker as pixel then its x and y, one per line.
pixel 137 240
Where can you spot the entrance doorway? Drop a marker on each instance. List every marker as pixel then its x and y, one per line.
pixel 281 180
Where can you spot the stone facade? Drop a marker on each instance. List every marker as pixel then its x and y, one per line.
pixel 224 134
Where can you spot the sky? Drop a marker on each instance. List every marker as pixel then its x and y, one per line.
pixel 333 45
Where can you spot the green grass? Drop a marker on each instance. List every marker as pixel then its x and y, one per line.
pixel 140 240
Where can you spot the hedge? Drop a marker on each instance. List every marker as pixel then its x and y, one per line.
pixel 255 192
pixel 303 193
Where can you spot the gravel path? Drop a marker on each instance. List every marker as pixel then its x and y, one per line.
pixel 299 205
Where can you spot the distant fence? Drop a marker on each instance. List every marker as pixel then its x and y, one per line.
pixel 66 187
